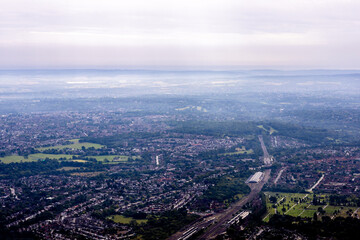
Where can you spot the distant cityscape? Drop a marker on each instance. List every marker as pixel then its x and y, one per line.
pixel 180 167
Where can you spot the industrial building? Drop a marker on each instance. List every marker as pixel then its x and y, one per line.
pixel 257 177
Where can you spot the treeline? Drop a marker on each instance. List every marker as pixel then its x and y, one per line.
pixel 91 151
pixel 285 189
pixel 47 166
pixel 232 128
pixel 223 189
pixel 334 118
pixel 344 200
pixel 218 129
pixel 119 140
pixel 338 228
pixel 226 188
pixel 164 225
pixel 308 134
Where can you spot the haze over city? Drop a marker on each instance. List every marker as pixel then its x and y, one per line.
pixel 179 120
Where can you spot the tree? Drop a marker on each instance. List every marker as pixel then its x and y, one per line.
pixel 315 217
pixel 273 199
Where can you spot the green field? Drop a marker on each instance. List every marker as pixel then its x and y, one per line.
pixel 198 108
pixel 270 131
pixel 79 160
pixel 14 159
pixel 42 156
pixel 125 220
pixel 293 207
pixel 112 159
pixel 75 145
pixel 68 168
pixel 33 157
pixel 87 174
pixel 241 150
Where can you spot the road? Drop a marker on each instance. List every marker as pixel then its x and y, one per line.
pixel 267 158
pixel 316 184
pixel 279 175
pixel 224 217
pixel 217 223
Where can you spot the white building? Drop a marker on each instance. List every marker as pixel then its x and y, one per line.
pixel 257 177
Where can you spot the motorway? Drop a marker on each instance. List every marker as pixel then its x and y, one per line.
pixel 221 224
pixel 267 158
pixel 217 224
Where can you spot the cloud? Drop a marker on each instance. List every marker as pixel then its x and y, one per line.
pixel 298 33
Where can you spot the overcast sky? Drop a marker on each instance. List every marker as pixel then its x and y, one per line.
pixel 143 33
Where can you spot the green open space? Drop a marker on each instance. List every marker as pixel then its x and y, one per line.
pixel 68 168
pixel 87 174
pixel 75 145
pixel 33 157
pixel 42 156
pixel 270 130
pixel 14 159
pixel 125 220
pixel 112 159
pixel 198 108
pixel 238 151
pixel 290 204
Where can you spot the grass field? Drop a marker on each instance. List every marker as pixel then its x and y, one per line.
pixel 87 174
pixel 14 158
pixel 270 131
pixel 33 157
pixel 79 160
pixel 112 159
pixel 75 145
pixel 241 150
pixel 68 168
pixel 290 204
pixel 42 156
pixel 198 108
pixel 125 220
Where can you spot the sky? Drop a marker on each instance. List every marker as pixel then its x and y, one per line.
pixel 297 34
